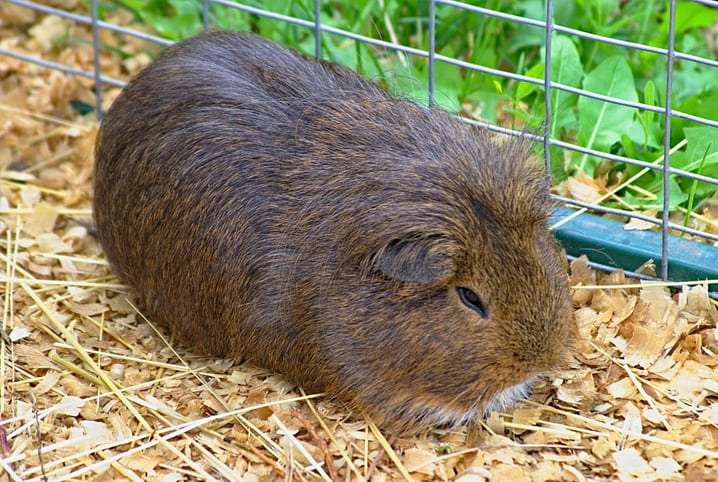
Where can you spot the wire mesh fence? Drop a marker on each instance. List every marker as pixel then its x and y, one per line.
pixel 92 388
pixel 626 130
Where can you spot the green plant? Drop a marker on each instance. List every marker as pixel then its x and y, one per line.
pixel 599 67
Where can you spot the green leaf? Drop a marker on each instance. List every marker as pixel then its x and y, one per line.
pixel 702 104
pixel 701 151
pixel 676 197
pixel 694 188
pixel 524 89
pixel 566 69
pixel 649 98
pixel 628 146
pixel 690 15
pixel 699 157
pixel 648 129
pixel 182 20
pixel 602 123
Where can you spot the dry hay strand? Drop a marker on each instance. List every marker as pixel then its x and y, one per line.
pixel 92 390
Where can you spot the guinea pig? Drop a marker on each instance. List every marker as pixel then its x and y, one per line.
pixel 268 206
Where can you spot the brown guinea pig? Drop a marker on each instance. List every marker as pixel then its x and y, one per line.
pixel 265 205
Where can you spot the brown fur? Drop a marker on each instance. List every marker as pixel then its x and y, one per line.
pixel 266 205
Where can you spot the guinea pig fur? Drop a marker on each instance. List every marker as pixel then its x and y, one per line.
pixel 264 205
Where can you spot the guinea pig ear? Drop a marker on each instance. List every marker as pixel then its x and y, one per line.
pixel 415 260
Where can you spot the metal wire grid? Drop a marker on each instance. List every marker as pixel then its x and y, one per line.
pixel 670 53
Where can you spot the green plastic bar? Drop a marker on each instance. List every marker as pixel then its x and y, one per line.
pixel 605 241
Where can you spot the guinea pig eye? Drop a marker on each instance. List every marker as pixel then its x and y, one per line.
pixel 472 300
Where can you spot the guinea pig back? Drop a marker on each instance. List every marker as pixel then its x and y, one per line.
pixel 264 205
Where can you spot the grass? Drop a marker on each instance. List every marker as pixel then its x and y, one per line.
pixel 619 72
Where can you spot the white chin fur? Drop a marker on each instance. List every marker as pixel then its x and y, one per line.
pixel 508 397
pixel 503 400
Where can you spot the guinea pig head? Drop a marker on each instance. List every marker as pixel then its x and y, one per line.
pixel 464 300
